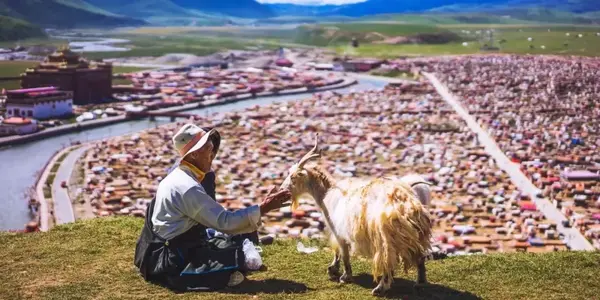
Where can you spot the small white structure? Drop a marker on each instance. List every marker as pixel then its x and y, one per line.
pixel 568 34
pixel 465 44
pixel 39 103
pixel 530 39
pixel 324 66
pixel 543 47
pixel 580 35
pixel 17 126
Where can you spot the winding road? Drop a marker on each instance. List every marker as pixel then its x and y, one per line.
pixel 572 236
pixel 63 208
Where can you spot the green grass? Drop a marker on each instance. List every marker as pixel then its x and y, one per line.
pixel 55 168
pixel 47 192
pixel 343 33
pixel 10 85
pixel 394 51
pixel 387 29
pixel 197 44
pixel 12 29
pixel 514 36
pixel 437 19
pixel 123 81
pixel 64 13
pixel 15 68
pixel 119 69
pixel 94 260
pixel 62 157
pixel 32 42
pixel 518 15
pixel 50 179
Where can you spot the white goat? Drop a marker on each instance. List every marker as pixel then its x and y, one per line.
pixel 381 219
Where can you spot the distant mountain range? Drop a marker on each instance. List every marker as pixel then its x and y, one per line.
pixel 64 14
pixel 373 7
pixel 237 8
pixel 118 13
pixel 185 8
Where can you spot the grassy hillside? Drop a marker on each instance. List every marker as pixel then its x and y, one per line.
pixel 447 18
pixel 63 13
pixel 164 12
pixel 86 6
pixel 236 8
pixel 364 32
pixel 143 8
pixel 546 15
pixel 12 29
pixel 510 38
pixel 94 260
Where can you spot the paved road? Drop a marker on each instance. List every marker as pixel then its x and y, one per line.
pixel 63 209
pixel 572 236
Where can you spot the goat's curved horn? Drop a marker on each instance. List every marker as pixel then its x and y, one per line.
pixel 312 154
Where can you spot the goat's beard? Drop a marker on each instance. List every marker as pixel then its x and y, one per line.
pixel 295 202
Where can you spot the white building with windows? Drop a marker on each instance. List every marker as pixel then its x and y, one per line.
pixel 39 103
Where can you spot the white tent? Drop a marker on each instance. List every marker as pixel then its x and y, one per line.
pixel 254 70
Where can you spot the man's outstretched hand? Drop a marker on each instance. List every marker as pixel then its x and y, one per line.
pixel 275 200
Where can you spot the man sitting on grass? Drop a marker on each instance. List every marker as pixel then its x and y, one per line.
pixel 174 249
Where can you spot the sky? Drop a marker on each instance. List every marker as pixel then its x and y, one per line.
pixel 312 2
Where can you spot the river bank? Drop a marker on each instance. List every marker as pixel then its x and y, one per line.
pixel 63 129
pixel 44 219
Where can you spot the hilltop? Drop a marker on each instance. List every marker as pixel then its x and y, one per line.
pixel 64 14
pixel 12 29
pixel 191 10
pixel 93 260
pixel 237 8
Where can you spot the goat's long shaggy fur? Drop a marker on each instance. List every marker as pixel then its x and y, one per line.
pixel 382 219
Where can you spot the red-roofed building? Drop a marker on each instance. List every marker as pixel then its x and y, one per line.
pixel 39 103
pixel 361 65
pixel 528 206
pixel 20 126
pixel 284 62
pixel 89 82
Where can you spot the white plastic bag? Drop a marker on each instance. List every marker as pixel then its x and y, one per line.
pixel 308 250
pixel 253 259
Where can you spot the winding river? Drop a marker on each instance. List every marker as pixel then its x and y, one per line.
pixel 82 44
pixel 20 164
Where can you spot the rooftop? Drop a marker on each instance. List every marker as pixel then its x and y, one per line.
pixel 31 90
pixel 17 121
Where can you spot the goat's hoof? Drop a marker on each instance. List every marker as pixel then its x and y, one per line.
pixel 333 273
pixel 346 278
pixel 378 291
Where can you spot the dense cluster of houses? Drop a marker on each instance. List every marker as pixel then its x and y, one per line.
pixel 400 130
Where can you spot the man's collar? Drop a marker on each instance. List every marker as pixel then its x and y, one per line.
pixel 198 174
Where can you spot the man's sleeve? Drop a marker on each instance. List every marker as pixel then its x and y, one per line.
pixel 204 210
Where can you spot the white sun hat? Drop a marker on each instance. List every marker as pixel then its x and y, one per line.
pixel 191 138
